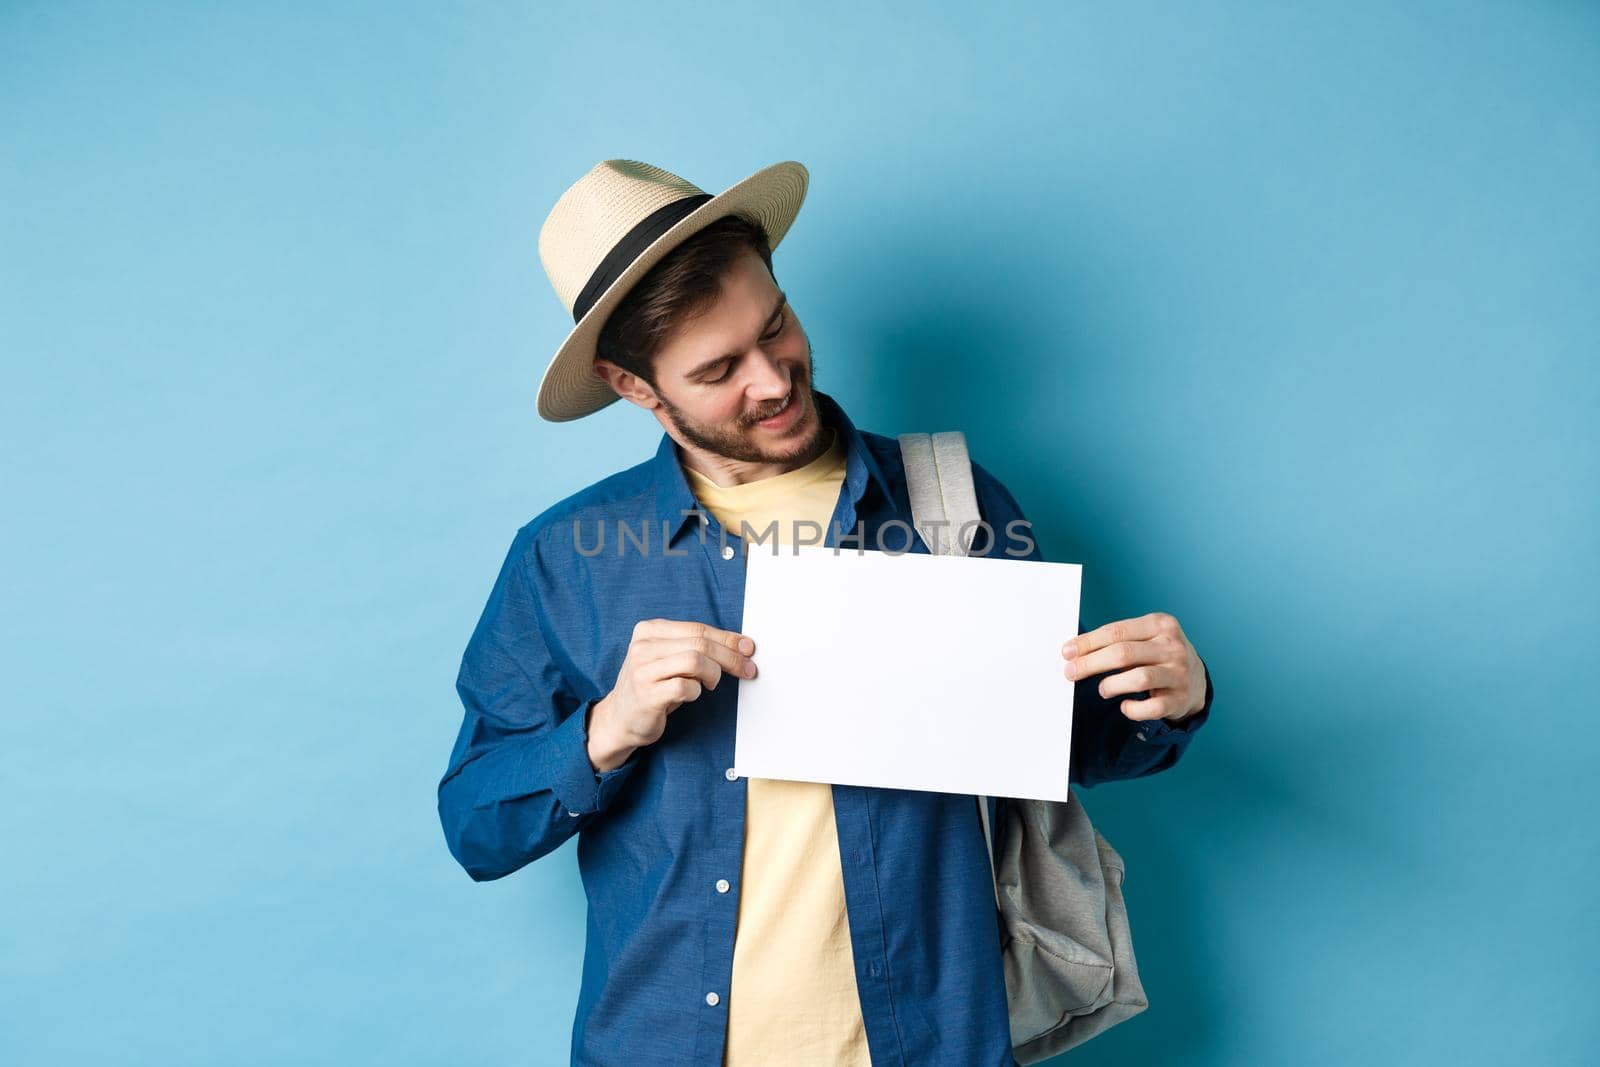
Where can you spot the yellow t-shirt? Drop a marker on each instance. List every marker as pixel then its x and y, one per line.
pixel 793 996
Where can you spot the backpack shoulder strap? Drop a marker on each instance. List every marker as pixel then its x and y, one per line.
pixel 939 480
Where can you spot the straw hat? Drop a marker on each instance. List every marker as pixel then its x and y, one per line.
pixel 609 228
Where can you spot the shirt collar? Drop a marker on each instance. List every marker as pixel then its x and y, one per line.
pixel 676 502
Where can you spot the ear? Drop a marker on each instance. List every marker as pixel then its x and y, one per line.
pixel 626 384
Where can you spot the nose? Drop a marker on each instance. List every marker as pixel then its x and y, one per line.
pixel 768 381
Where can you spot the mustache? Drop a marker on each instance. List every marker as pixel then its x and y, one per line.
pixel 794 389
pixel 753 419
pixel 801 380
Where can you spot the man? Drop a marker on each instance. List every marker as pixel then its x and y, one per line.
pixel 735 920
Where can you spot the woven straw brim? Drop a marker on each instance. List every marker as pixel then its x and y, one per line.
pixel 570 389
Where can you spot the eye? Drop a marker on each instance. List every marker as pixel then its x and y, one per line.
pixel 783 318
pixel 727 365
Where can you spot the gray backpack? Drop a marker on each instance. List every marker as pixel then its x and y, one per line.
pixel 1068 952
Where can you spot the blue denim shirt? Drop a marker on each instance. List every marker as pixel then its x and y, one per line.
pixel 657 833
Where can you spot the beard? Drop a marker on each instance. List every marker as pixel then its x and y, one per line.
pixel 735 444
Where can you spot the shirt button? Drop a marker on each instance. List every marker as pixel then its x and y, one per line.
pixel 731 775
pixel 1143 736
pixel 712 999
pixel 573 814
pixel 727 551
pixel 722 885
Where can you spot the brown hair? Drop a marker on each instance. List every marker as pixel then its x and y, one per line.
pixel 675 291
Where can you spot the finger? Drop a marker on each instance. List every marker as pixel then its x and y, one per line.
pixel 674 692
pixel 1138 680
pixel 658 629
pixel 689 663
pixel 733 662
pixel 1117 657
pixel 1159 704
pixel 1139 629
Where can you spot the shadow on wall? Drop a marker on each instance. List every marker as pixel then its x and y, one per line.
pixel 1258 818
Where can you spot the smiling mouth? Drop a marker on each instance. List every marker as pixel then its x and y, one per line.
pixel 786 402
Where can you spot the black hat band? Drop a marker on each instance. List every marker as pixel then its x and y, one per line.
pixel 625 251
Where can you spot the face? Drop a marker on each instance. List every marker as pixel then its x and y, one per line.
pixel 736 382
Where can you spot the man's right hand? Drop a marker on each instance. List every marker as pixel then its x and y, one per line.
pixel 668 664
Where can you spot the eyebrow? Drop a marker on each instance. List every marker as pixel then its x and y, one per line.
pixel 783 299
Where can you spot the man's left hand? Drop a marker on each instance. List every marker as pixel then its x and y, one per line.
pixel 1152 655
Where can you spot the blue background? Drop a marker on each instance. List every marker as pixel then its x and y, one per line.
pixel 1283 321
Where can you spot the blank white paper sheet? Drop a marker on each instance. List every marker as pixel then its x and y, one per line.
pixel 908 671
